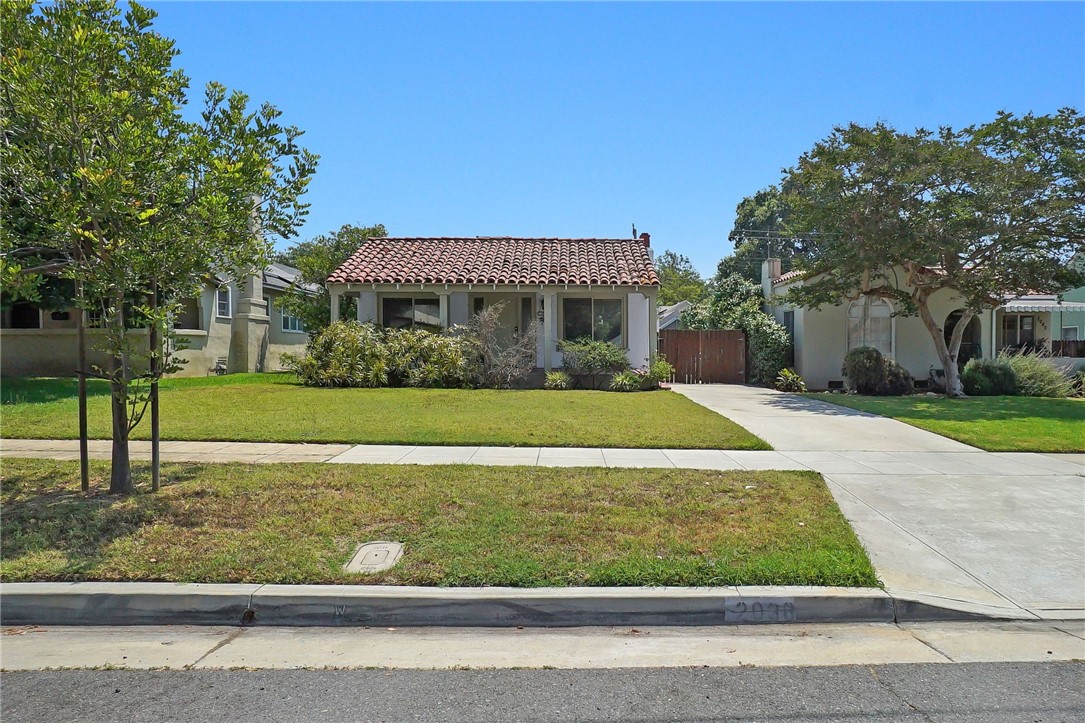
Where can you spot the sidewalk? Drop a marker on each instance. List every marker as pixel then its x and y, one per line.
pixel 971 461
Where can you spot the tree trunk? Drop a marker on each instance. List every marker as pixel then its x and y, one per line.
pixel 156 461
pixel 81 343
pixel 120 477
pixel 947 354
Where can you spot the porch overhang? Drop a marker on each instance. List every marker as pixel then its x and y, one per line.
pixel 1039 306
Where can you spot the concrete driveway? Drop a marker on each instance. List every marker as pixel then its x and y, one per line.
pixel 942 521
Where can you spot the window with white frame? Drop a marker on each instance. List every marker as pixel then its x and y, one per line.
pixel 223 305
pixel 870 323
pixel 290 322
pixel 1070 333
pixel 596 319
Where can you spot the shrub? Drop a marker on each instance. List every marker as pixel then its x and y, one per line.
pixel 896 380
pixel 496 360
pixel 625 381
pixel 659 370
pixel 789 381
pixel 557 380
pixel 420 358
pixel 587 358
pixel 345 354
pixel 985 377
pixel 769 346
pixel 1037 375
pixel 864 369
pixel 1078 383
pixel 975 381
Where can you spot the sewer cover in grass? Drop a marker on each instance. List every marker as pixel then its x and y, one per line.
pixel 374 557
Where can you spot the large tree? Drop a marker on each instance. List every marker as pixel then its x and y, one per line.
pixel 108 184
pixel 989 212
pixel 759 233
pixel 317 258
pixel 678 280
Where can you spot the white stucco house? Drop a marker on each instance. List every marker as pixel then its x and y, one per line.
pixel 604 289
pixel 236 326
pixel 822 338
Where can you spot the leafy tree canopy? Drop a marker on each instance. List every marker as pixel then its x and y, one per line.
pixel 107 184
pixel 317 258
pixel 759 233
pixel 678 280
pixel 990 212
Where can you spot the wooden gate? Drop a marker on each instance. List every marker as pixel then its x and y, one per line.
pixel 705 357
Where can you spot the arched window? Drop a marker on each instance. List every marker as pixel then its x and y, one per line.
pixel 870 323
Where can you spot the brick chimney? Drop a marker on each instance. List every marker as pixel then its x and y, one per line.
pixel 647 239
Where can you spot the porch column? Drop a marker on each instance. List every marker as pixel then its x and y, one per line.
pixel 443 301
pixel 550 302
pixel 334 293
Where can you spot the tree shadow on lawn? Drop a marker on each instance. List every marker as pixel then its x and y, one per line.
pixel 40 517
pixel 974 409
pixel 40 390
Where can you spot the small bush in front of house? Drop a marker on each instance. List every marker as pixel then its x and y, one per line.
pixel 345 354
pixel 896 380
pixel 1038 375
pixel 592 359
pixel 864 369
pixel 419 358
pixel 659 370
pixel 789 381
pixel 495 359
pixel 1078 383
pixel 987 377
pixel 626 381
pixel 557 379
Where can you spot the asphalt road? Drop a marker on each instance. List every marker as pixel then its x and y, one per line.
pixel 933 692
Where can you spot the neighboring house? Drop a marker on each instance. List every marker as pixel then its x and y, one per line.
pixel 823 337
pixel 236 328
pixel 604 289
pixel 670 317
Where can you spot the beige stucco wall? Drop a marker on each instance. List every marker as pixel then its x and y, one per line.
pixel 821 338
pixel 52 350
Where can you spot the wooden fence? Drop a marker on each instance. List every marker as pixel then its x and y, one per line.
pixel 705 357
pixel 1072 348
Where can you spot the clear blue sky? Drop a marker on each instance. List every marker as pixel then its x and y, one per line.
pixel 579 119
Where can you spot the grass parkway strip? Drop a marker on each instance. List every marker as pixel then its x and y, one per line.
pixel 274 408
pixel 996 424
pixel 461 526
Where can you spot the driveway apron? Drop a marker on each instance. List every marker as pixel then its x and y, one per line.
pixel 942 521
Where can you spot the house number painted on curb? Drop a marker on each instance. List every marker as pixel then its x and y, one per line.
pixel 754 610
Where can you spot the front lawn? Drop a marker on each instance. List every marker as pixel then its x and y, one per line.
pixel 996 424
pixel 528 526
pixel 274 408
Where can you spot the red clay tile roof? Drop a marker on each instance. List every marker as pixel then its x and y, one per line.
pixel 499 260
pixel 784 278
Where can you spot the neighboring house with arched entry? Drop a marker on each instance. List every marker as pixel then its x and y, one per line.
pixel 822 337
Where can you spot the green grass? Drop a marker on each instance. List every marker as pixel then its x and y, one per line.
pixel 462 526
pixel 996 424
pixel 274 408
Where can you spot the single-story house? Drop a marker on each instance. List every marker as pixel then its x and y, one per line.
pixel 603 289
pixel 231 326
pixel 670 316
pixel 822 338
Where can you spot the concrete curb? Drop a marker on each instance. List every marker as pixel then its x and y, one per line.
pixel 98 603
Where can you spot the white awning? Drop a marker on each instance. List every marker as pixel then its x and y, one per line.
pixel 1041 305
